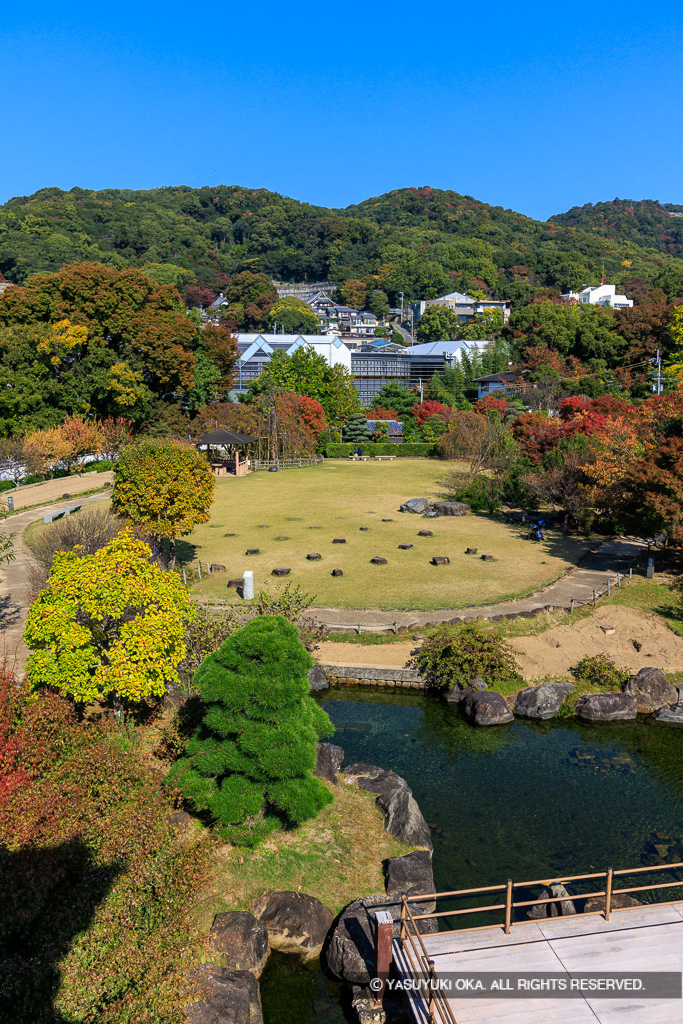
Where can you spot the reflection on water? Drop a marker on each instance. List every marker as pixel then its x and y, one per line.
pixel 527 800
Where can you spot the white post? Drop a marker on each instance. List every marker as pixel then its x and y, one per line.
pixel 248 585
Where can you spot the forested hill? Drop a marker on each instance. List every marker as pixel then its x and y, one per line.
pixel 647 223
pixel 420 241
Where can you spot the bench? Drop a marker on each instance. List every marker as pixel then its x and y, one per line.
pixel 359 458
pixel 389 458
pixel 52 517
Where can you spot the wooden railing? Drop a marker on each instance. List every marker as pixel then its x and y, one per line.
pixel 423 966
pixel 609 892
pixel 289 463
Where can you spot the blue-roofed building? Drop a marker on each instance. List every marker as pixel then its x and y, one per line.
pixel 394 427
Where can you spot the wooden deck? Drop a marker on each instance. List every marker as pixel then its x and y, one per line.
pixel 647 939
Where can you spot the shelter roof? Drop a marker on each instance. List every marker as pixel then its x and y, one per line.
pixel 223 437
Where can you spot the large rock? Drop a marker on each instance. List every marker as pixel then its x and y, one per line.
pixel 296 923
pixel 542 910
pixel 350 951
pixel 317 677
pixel 618 902
pixel 487 708
pixel 402 817
pixel 451 508
pixel 412 875
pixel 329 762
pixel 542 701
pixel 224 997
pixel 607 707
pixel 651 690
pixel 416 505
pixel 458 692
pixel 242 940
pixel 669 715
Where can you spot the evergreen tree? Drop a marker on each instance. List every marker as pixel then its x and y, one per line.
pixel 249 766
pixel 357 429
pixel 396 396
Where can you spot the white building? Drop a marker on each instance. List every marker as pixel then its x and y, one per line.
pixel 464 306
pixel 600 295
pixel 256 351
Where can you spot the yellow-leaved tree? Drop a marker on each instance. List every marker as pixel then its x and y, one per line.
pixel 108 625
pixel 166 487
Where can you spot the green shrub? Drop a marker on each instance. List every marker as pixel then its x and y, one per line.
pixel 7 485
pixel 600 673
pixel 404 449
pixel 249 766
pixel 453 655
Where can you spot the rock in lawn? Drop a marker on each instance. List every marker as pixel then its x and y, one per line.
pixel 487 558
pixel 440 560
pixel 280 572
pixel 253 551
pixel 451 508
pixel 315 557
pixel 405 547
pixel 330 758
pixel 339 540
pixel 215 567
pixel 363 529
pixel 225 997
pixel 415 505
pixel 337 572
pixel 296 923
pixel 242 939
pixel 425 533
pixel 471 551
pixel 234 584
pixel 378 561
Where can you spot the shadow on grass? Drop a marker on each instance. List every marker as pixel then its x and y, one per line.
pixel 48 896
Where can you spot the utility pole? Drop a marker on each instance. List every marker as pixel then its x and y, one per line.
pixel 401 309
pixel 421 390
pixel 657 385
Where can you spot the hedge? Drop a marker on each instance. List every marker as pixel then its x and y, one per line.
pixel 404 449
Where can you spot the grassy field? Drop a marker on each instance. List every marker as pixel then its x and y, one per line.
pixel 291 513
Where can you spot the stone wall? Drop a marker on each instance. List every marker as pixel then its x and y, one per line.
pixel 357 675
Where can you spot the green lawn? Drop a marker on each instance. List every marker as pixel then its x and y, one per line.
pixel 310 507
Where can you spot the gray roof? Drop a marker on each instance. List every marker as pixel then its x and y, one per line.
pixel 223 437
pixel 436 348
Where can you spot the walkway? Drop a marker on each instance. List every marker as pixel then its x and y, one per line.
pixel 598 567
pixel 14 578
pixel 635 940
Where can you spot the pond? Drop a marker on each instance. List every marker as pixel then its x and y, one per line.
pixel 528 800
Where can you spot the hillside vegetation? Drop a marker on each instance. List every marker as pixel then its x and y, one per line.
pixel 421 241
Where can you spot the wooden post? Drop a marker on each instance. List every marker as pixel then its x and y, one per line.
pixel 508 906
pixel 184 577
pixel 199 567
pixel 383 948
pixel 432 990
pixel 237 461
pixel 402 930
pixel 594 599
pixel 609 588
pixel 571 605
pixel 608 894
pixel 630 575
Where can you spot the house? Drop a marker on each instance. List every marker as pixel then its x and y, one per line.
pixel 464 306
pixel 333 315
pixel 256 351
pixel 504 381
pixel 394 428
pixel 600 295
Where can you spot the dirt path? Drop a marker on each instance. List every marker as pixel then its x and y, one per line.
pixel 51 490
pixel 555 651
pixel 14 582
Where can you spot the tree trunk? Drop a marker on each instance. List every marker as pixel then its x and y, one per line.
pixel 172 551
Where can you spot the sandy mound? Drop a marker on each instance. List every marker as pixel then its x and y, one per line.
pixel 554 652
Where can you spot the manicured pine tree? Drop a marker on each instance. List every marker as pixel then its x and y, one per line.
pixel 249 766
pixel 357 429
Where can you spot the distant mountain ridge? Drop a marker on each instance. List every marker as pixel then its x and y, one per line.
pixel 419 241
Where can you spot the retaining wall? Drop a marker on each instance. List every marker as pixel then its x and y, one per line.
pixel 357 675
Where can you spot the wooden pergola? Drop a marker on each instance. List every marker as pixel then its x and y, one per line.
pixel 222 449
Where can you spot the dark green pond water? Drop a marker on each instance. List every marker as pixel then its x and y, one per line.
pixel 523 801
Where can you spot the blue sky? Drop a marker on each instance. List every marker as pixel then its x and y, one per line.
pixel 520 105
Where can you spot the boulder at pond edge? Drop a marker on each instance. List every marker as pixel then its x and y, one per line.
pixel 242 940
pixel 402 816
pixel 225 997
pixel 296 923
pixel 542 702
pixel 651 690
pixel 487 708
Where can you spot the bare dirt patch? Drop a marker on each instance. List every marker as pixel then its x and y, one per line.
pixel 555 651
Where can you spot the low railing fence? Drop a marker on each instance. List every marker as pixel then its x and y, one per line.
pixel 510 904
pixel 421 964
pixel 261 464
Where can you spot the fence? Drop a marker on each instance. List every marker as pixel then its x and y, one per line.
pixel 439 1012
pixel 258 464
